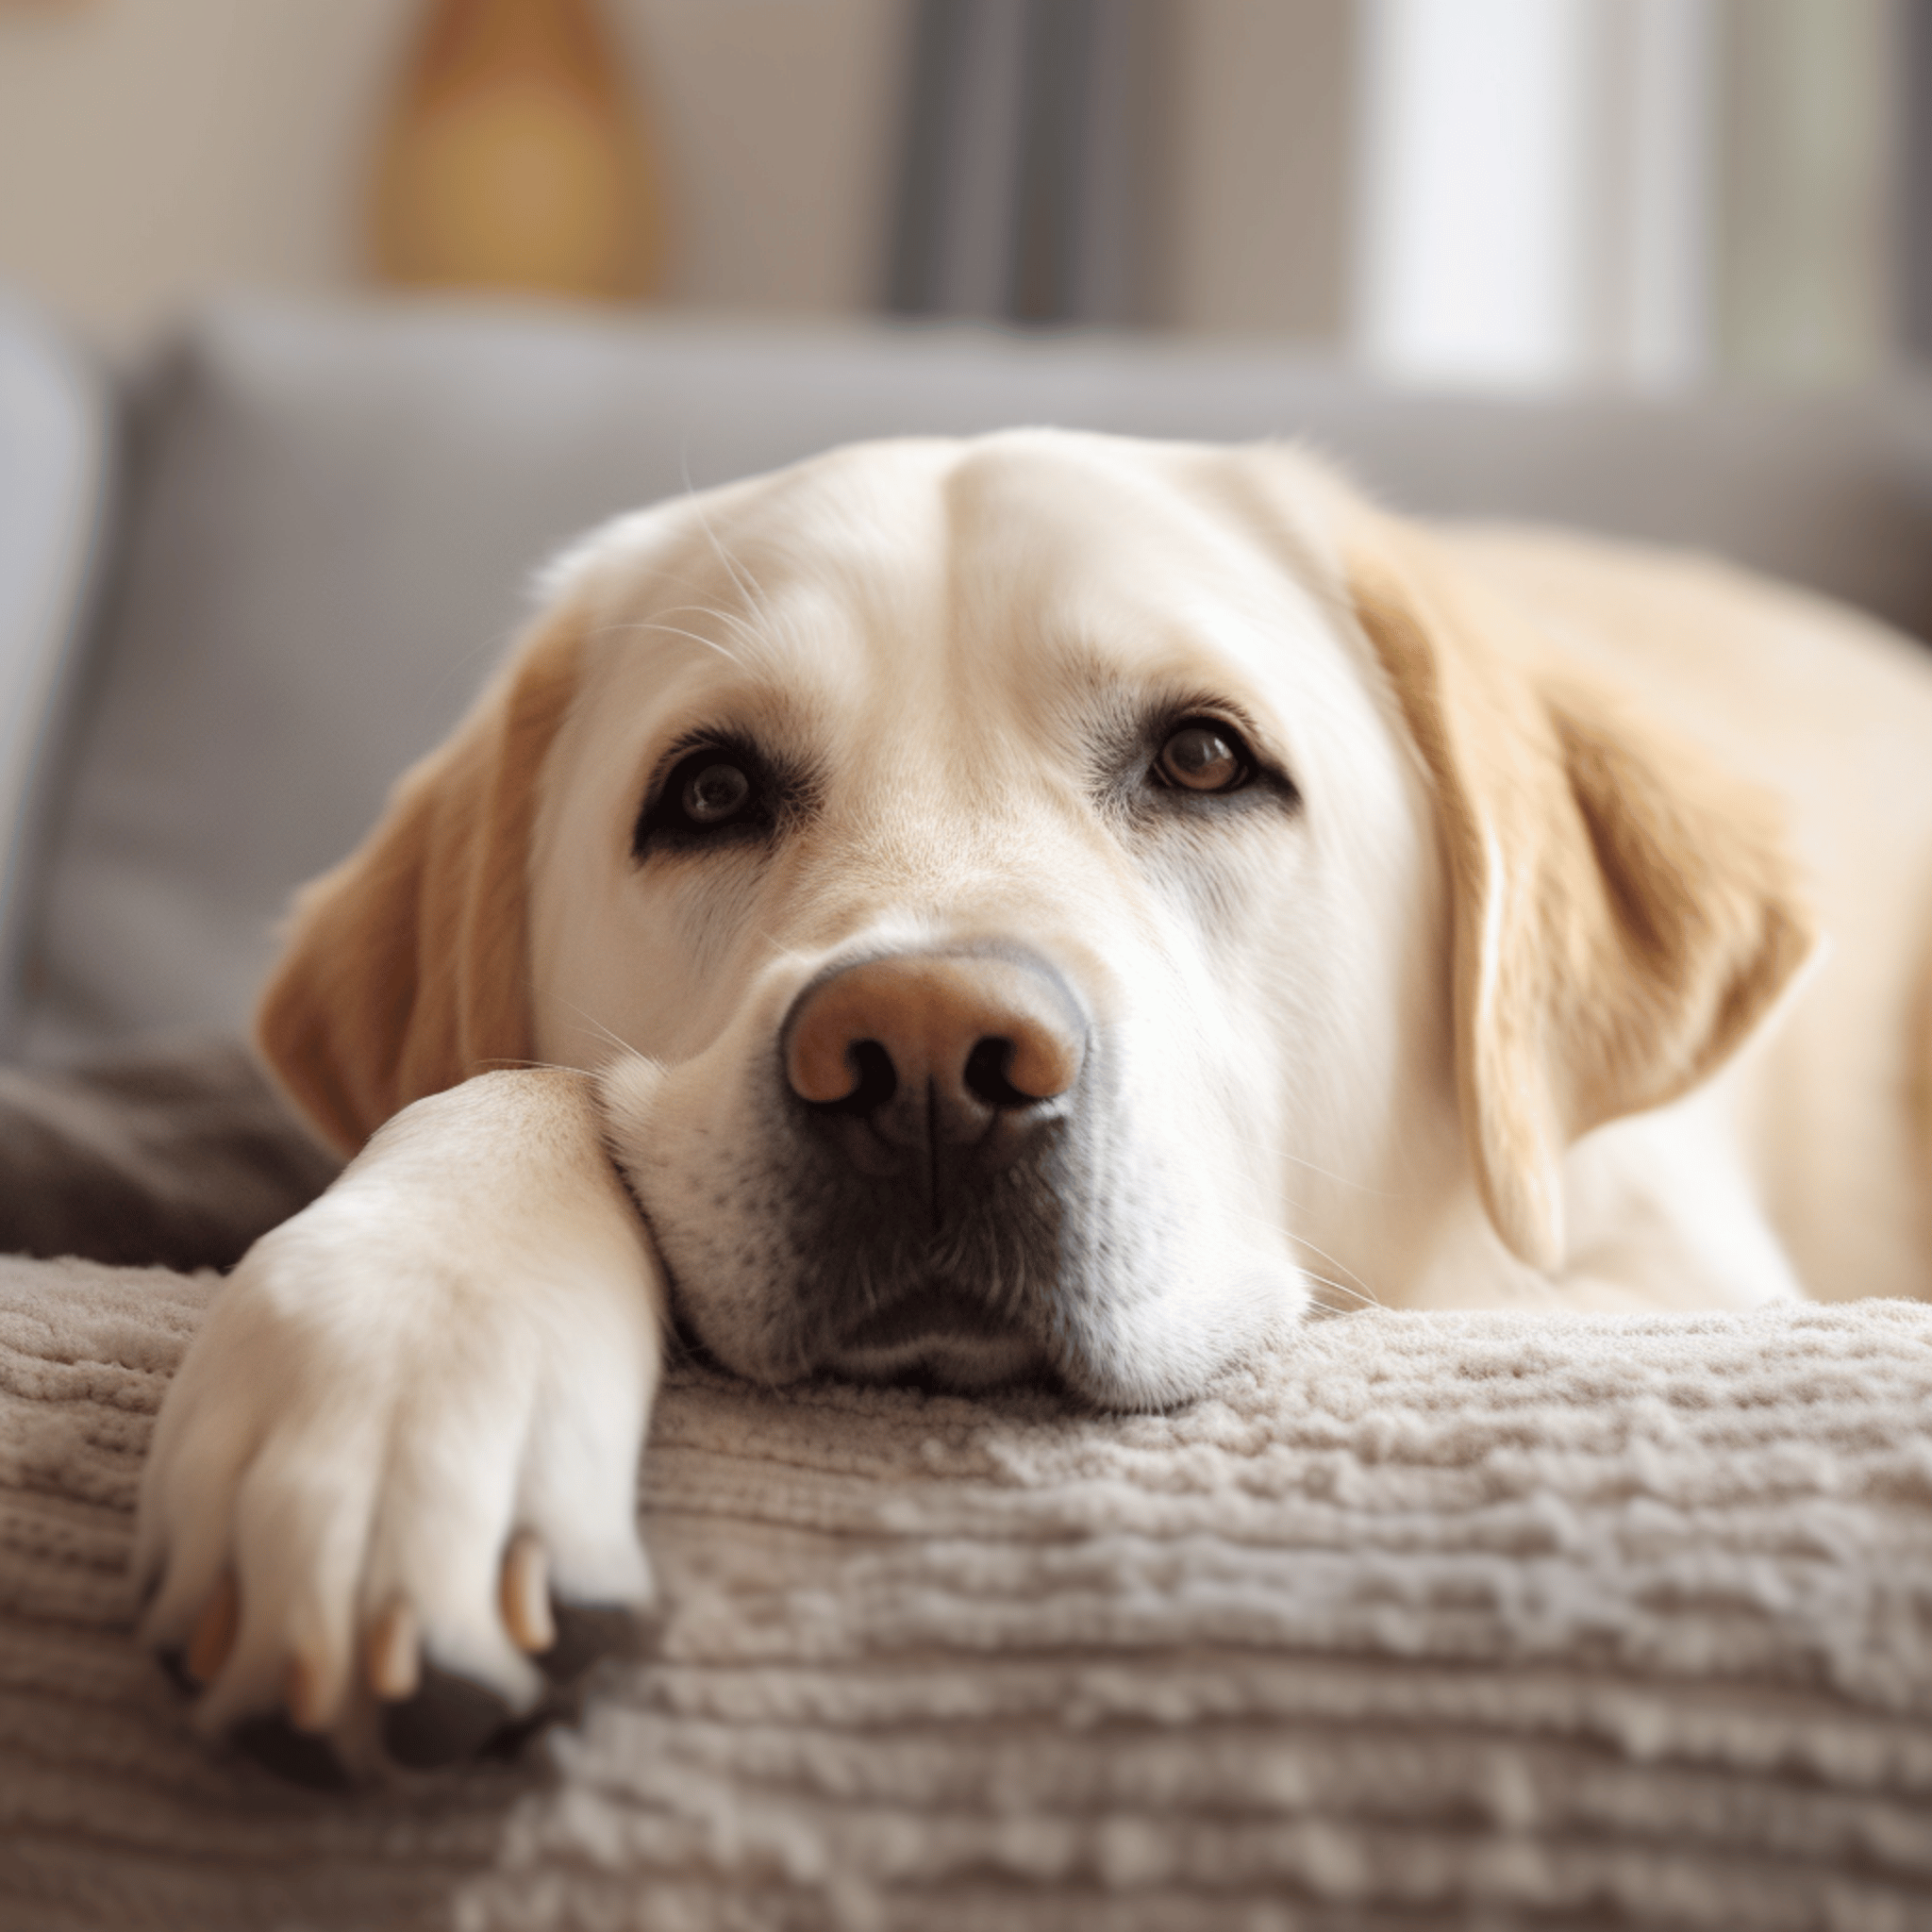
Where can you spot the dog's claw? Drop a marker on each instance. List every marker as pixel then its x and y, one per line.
pixel 394 1656
pixel 214 1631
pixel 448 1719
pixel 300 1756
pixel 524 1594
pixel 303 1695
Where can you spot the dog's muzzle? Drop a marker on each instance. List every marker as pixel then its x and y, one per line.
pixel 934 1082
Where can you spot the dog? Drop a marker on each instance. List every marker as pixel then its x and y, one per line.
pixel 1041 905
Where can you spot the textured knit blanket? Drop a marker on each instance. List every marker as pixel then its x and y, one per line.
pixel 1429 1620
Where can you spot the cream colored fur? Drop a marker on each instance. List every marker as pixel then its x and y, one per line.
pixel 1504 1003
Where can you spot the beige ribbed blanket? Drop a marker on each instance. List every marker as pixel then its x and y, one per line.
pixel 1432 1621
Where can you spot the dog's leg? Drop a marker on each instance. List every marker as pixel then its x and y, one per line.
pixel 408 1430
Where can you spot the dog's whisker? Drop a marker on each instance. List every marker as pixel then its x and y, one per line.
pixel 1353 1294
pixel 625 1049
pixel 1336 1261
pixel 1273 1228
pixel 755 639
pixel 1341 1180
pixel 676 580
pixel 758 640
pixel 673 630
pixel 741 627
pixel 747 584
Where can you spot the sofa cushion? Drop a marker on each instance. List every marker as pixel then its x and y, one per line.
pixel 57 476
pixel 336 511
pixel 1428 1622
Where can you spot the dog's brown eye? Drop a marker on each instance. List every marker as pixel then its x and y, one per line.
pixel 1203 758
pixel 711 795
pixel 715 794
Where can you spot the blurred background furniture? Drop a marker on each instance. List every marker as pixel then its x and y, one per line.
pixel 327 516
pixel 57 424
pixel 1646 191
pixel 512 158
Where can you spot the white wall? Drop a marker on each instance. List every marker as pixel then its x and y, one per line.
pixel 1632 191
pixel 780 125
pixel 1538 185
pixel 151 149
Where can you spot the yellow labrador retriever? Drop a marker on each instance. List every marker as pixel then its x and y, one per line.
pixel 1041 905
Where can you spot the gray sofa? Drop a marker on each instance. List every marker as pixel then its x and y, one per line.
pixel 1428 1621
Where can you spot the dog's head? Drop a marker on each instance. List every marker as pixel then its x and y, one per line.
pixel 1036 902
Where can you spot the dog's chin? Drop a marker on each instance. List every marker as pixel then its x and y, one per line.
pixel 937 1340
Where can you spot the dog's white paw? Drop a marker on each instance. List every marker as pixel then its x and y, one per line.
pixel 391 1492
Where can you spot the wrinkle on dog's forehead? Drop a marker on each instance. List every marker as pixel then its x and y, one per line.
pixel 993 603
pixel 879 587
pixel 1089 524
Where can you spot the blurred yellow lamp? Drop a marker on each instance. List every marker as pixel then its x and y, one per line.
pixel 512 158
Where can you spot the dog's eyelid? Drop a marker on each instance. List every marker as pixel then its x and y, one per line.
pixel 1261 769
pixel 726 742
pixel 1182 737
pixel 668 815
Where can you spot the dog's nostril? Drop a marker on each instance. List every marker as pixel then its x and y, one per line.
pixel 987 1067
pixel 875 1079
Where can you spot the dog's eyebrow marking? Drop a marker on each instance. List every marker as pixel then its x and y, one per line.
pixel 1096 678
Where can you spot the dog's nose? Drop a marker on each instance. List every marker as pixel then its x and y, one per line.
pixel 936 1049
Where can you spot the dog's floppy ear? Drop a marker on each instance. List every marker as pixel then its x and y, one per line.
pixel 406 968
pixel 1624 911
